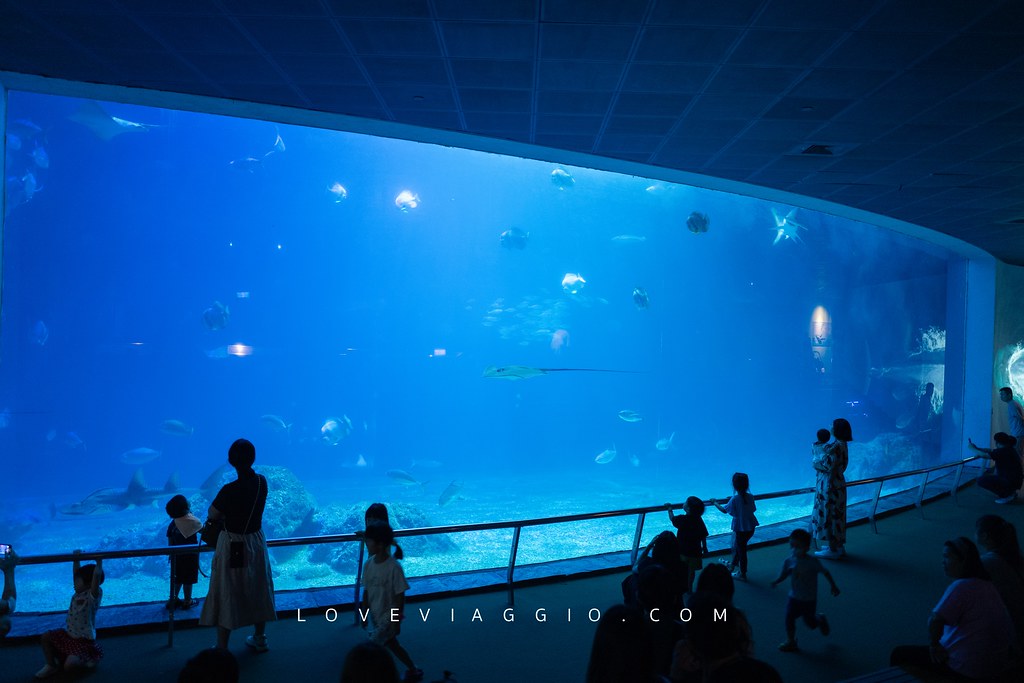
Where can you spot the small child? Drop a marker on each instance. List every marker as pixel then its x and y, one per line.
pixel 384 587
pixel 185 567
pixel 692 535
pixel 75 645
pixel 741 506
pixel 803 592
pixel 818 450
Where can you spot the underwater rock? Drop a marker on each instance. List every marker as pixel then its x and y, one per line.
pixel 886 453
pixel 141 535
pixel 346 519
pixel 290 507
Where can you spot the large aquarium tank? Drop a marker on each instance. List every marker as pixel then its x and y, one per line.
pixel 464 336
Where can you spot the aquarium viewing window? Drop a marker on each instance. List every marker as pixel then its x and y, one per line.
pixel 462 335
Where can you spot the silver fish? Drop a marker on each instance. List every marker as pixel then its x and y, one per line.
pixel 176 428
pixel 450 492
pixel 404 478
pixel 606 456
pixel 139 456
pixel 630 416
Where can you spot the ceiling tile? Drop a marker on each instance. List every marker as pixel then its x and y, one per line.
pixel 635 143
pixel 309 8
pixel 776 47
pixel 560 102
pixel 812 14
pixel 840 83
pixel 446 120
pixel 556 124
pixel 641 125
pixel 569 75
pixel 377 9
pixel 666 78
pixel 392 37
pixel 685 44
pixel 989 53
pixel 489 41
pixel 209 35
pixel 492 73
pixel 319 68
pixel 752 80
pixel 806 109
pixel 591 11
pixel 601 43
pixel 406 70
pixel 232 68
pixel 497 121
pixel 703 13
pixel 417 97
pixel 355 100
pixel 474 10
pixel 731 107
pixel 294 34
pixel 655 104
pixel 495 100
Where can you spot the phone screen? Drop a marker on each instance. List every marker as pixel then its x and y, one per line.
pixel 4 549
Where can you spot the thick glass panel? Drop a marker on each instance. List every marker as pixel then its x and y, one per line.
pixel 464 336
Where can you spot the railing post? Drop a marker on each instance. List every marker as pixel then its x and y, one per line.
pixel 359 579
pixel 874 506
pixel 637 535
pixel 512 564
pixel 956 483
pixel 920 493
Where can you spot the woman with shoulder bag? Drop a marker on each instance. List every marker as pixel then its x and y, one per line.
pixel 241 585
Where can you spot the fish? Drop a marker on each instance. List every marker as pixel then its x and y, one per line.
pixel 634 460
pixel 39 156
pixel 665 444
pixel 514 238
pixel 216 317
pixel 524 372
pixel 698 222
pixel 73 441
pixel 640 298
pixel 629 239
pixel 630 416
pixel 30 186
pixel 249 164
pixel 40 333
pixel 786 228
pixel 606 456
pixel 406 200
pixel 176 428
pixel 103 125
pixel 139 456
pixel 278 144
pixel 572 283
pixel 335 429
pixel 404 478
pixel 562 179
pixel 107 500
pixel 275 422
pixel 339 192
pixel 450 493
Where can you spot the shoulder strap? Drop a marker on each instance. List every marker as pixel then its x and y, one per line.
pixel 259 482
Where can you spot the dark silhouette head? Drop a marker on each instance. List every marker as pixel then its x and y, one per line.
pixel 369 663
pixel 961 559
pixel 741 482
pixel 623 649
pixel 242 454
pixel 382 533
pixel 998 535
pixel 824 435
pixel 213 665
pixel 177 507
pixel 1004 439
pixel 378 512
pixel 715 578
pixel 801 538
pixel 841 429
pixel 694 506
pixel 713 637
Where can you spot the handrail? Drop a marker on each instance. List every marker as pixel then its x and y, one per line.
pixel 457 528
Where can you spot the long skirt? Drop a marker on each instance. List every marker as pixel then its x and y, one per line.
pixel 240 596
pixel 829 516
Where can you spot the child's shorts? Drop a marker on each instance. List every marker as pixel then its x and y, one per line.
pixel 86 650
pixel 693 563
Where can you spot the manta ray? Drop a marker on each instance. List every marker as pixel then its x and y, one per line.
pixel 524 372
pixel 105 126
pixel 786 228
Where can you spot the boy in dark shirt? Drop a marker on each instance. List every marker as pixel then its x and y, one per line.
pixel 692 535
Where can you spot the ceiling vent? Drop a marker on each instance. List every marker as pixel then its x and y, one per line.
pixel 820 149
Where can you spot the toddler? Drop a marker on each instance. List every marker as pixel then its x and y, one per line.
pixel 741 507
pixel 185 567
pixel 803 592
pixel 692 535
pixel 75 645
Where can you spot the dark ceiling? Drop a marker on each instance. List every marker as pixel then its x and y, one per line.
pixel 913 109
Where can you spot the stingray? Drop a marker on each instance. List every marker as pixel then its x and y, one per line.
pixel 524 372
pixel 105 126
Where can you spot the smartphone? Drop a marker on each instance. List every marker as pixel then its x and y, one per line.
pixel 4 549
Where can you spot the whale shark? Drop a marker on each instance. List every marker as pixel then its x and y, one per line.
pixel 524 372
pixel 108 500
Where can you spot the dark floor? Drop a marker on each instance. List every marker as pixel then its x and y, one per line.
pixel 890 582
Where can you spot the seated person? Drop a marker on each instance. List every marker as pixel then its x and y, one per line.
pixel 969 632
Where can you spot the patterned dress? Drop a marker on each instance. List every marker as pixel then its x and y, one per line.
pixel 829 516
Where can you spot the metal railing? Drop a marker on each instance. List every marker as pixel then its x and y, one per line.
pixel 516 526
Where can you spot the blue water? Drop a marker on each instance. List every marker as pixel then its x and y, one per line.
pixel 357 310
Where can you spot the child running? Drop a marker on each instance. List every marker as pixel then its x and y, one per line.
pixel 384 587
pixel 741 506
pixel 692 535
pixel 184 568
pixel 803 592
pixel 75 645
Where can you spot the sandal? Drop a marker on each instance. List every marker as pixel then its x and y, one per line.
pixel 187 604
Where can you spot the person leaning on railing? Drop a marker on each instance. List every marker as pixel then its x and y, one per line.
pixel 10 594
